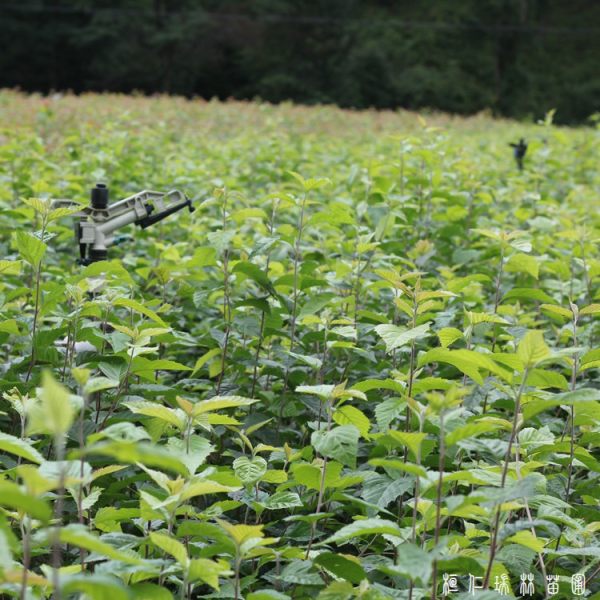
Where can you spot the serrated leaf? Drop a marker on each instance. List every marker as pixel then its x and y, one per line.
pixel 175 417
pixel 364 527
pixel 209 571
pixel 171 546
pixel 591 309
pixel 80 536
pixel 54 413
pixel 533 349
pixel 221 402
pixel 204 359
pixel 139 308
pixel 340 443
pixel 349 415
pixel 448 335
pixel 31 248
pixel 249 470
pixel 527 539
pixel 410 439
pixel 203 488
pixel 13 496
pixel 346 567
pixel 20 447
pixel 469 430
pixel 523 263
pixel 10 267
pixel 395 337
pixel 282 500
pixel 555 309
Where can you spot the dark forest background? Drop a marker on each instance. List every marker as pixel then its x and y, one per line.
pixel 516 57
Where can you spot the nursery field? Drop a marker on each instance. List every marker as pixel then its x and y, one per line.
pixel 366 366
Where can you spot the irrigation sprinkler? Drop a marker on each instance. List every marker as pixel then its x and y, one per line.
pixel 519 151
pixel 97 223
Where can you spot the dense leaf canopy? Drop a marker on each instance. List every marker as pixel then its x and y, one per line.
pixel 367 360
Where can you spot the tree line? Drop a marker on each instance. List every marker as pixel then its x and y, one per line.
pixel 518 58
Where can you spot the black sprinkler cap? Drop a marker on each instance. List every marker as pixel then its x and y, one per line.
pixel 99 196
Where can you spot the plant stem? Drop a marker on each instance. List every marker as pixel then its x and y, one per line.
pixel 25 540
pixel 297 260
pixel 438 509
pixel 573 383
pixel 530 517
pixel 82 553
pixel 226 297
pixel 118 392
pixel 313 527
pixel 59 444
pixel 36 310
pixel 513 434
pixel 236 581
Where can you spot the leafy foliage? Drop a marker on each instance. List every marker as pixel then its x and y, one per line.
pixel 330 387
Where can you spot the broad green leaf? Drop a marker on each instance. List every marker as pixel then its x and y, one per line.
pixel 131 452
pixel 591 309
pixel 96 586
pixel 340 443
pixel 139 308
pixel 171 546
pixel 349 415
pixel 527 539
pixel 282 500
pixel 209 571
pixel 221 402
pixel 19 447
pixel 476 318
pixel 98 384
pixel 241 533
pixel 149 591
pixel 467 361
pixel 395 337
pixel 337 590
pixel 413 562
pixel 528 294
pixel 532 349
pixel 80 536
pixel 205 358
pixel 31 248
pixel 10 326
pixel 192 451
pixel 469 430
pixel 449 335
pixel 545 379
pixel 322 391
pixel 523 263
pixel 10 267
pixel 11 495
pixel 345 566
pixel 411 439
pixel 310 475
pixel 267 595
pixel 395 464
pixel 555 309
pixel 249 470
pixel 203 488
pixel 175 417
pixel 253 272
pixel 362 528
pixel 54 413
pixel 147 368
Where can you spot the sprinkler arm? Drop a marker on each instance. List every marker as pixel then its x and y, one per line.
pixel 96 224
